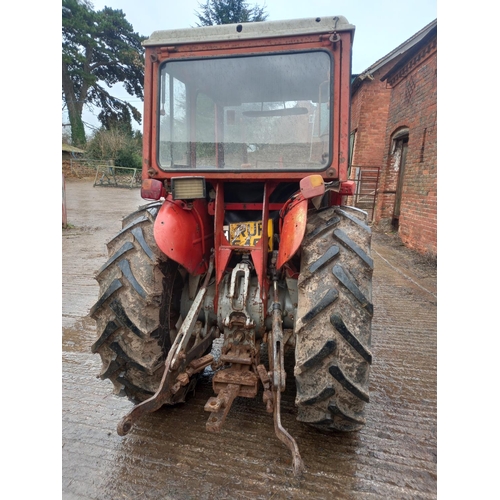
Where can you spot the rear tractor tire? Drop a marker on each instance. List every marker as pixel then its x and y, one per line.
pixel 333 340
pixel 137 310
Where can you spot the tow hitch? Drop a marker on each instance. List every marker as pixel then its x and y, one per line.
pixel 240 353
pixel 241 378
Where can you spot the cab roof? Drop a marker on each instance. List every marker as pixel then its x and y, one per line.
pixel 250 30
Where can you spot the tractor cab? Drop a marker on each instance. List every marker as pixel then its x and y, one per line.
pixel 266 100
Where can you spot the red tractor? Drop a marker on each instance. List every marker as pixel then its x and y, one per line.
pixel 247 240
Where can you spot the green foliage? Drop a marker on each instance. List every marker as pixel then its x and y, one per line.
pixel 99 49
pixel 129 156
pixel 116 144
pixel 215 12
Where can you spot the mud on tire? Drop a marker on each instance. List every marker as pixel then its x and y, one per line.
pixel 335 310
pixel 138 306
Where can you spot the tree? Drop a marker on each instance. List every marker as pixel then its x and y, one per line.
pixel 229 11
pixel 116 144
pixel 99 48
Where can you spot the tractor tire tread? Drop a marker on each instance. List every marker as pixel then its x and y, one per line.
pixel 333 332
pixel 130 338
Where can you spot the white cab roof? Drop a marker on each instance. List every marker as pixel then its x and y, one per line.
pixel 242 31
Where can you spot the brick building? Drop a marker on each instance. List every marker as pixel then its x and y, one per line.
pixel 394 137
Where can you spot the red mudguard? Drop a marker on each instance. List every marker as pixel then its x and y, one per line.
pixel 292 232
pixel 184 233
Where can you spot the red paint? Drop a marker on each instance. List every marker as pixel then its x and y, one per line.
pixel 348 188
pixel 188 233
pixel 340 53
pixel 184 233
pixel 292 232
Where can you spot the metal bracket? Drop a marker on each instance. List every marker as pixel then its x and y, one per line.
pixel 335 38
pixel 267 397
pixel 220 406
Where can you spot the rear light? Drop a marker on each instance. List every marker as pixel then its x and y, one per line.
pixel 188 188
pixel 312 186
pixel 152 189
pixel 347 188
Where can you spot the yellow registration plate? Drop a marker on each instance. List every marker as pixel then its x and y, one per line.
pixel 247 234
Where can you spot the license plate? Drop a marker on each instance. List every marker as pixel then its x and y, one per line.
pixel 248 234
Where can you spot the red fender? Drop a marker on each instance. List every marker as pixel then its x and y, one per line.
pixel 184 233
pixel 292 232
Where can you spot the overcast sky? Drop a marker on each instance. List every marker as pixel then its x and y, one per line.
pixel 381 25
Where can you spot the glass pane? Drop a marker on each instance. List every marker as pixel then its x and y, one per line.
pixel 257 112
pixel 205 131
pixel 173 123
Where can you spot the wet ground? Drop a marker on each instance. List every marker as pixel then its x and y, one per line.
pixel 169 455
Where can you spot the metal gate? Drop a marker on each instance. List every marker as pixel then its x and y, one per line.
pixel 111 176
pixel 105 173
pixel 366 179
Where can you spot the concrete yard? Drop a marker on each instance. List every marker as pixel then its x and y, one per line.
pixel 169 454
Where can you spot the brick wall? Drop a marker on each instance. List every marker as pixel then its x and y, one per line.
pixel 369 113
pixel 413 104
pixel 407 98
